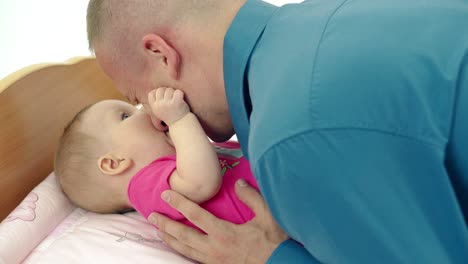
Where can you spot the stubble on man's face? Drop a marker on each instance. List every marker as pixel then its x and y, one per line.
pixel 216 123
pixel 208 102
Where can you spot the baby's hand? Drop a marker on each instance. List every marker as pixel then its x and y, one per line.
pixel 168 104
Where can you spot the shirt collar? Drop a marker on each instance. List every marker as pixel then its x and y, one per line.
pixel 239 42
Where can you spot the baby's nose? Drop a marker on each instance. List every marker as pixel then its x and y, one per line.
pixel 159 124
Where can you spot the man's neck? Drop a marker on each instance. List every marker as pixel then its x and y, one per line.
pixel 205 39
pixel 223 19
pixel 227 14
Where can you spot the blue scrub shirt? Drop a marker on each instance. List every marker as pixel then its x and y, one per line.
pixel 354 116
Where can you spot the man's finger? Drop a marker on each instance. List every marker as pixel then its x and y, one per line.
pixel 192 211
pixel 181 232
pixel 181 247
pixel 250 197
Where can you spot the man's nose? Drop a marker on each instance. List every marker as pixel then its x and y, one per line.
pixel 159 124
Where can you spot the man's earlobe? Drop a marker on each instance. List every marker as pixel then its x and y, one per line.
pixel 166 55
pixel 110 164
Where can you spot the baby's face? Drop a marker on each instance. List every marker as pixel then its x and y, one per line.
pixel 127 131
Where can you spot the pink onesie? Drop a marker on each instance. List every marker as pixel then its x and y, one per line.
pixel 145 188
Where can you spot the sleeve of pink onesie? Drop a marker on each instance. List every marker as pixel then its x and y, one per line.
pixel 145 188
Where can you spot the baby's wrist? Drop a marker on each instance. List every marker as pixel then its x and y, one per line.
pixel 180 119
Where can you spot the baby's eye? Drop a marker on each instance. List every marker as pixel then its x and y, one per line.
pixel 124 116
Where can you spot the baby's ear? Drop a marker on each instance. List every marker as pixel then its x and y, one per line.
pixel 110 164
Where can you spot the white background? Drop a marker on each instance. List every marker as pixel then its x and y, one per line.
pixel 37 31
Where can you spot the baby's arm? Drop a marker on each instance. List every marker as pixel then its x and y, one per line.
pixel 198 174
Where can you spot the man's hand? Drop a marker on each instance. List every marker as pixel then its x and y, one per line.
pixel 168 104
pixel 224 242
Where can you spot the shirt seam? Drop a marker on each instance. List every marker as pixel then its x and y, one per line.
pixel 312 79
pixel 358 129
pixel 276 251
pixel 245 75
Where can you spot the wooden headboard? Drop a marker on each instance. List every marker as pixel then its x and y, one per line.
pixel 35 105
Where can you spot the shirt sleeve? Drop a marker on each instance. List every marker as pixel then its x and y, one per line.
pixel 146 186
pixel 362 196
pixel 291 252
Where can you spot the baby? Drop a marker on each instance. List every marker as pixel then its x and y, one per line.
pixel 112 159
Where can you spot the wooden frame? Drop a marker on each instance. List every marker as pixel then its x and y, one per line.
pixel 35 105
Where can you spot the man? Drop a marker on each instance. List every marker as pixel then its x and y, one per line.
pixel 353 115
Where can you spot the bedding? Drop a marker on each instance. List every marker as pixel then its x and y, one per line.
pixel 47 228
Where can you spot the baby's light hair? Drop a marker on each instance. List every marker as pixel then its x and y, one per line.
pixel 77 172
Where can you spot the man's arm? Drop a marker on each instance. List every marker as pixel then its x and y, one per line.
pixel 370 197
pixel 198 174
pixel 363 196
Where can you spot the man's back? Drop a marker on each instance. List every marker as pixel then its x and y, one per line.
pixel 356 131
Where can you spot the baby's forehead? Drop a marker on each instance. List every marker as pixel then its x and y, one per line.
pixel 111 104
pixel 96 114
pixel 102 108
pixel 101 113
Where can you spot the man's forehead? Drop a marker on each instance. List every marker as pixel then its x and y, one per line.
pixel 121 76
pixel 121 84
pixel 106 60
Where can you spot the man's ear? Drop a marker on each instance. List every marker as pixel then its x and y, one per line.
pixel 110 164
pixel 164 53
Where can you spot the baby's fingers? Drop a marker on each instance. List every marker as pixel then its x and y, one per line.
pixel 178 95
pixel 152 97
pixel 168 93
pixel 160 93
